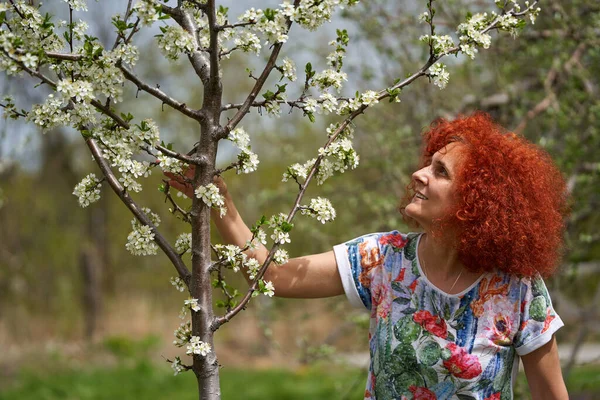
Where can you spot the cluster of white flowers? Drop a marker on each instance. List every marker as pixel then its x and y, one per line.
pixel 329 78
pixel 441 44
pixel 472 30
pixel 288 69
pixel 311 106
pixel 146 11
pixel 260 237
pixel 210 195
pixel 177 366
pixel 343 154
pixel 174 40
pixel 295 171
pixel 183 244
pixel 424 17
pixel 311 14
pixel 88 190
pixel 79 90
pixel 178 283
pixel 281 256
pixel 196 346
pixel 77 5
pixel 49 114
pixel 29 60
pixel 80 29
pixel 268 289
pixel 192 304
pixel 247 41
pixel 369 98
pixel 253 266
pixel 247 160
pixel 439 75
pixel 127 53
pixel 140 241
pixel 271 23
pixel 182 334
pixel 169 164
pixel 232 255
pixel 280 234
pixel 329 103
pixel 320 208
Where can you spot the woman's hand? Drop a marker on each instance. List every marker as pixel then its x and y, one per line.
pixel 179 182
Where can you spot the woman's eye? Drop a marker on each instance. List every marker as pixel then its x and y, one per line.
pixel 442 171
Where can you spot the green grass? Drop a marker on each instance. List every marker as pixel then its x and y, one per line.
pixel 144 380
pixel 147 381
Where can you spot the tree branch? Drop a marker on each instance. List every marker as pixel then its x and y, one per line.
pixel 120 191
pixel 198 115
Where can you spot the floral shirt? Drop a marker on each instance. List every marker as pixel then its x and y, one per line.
pixel 427 344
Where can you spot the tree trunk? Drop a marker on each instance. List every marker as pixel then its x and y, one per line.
pixel 206 368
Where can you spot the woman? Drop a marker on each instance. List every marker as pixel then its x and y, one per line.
pixel 454 307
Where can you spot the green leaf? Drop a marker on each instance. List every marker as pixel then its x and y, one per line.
pixel 286 226
pixel 401 300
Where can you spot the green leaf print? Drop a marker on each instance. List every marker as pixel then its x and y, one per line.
pixel 410 250
pixel 430 375
pixel 401 300
pixel 407 379
pixel 447 315
pixel 406 330
pixel 460 312
pixel 430 353
pixel 415 268
pixel 403 358
pixel 384 390
pixel 537 309
pixel 539 289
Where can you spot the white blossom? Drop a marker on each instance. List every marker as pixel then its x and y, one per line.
pixel 329 103
pixel 88 190
pixel 182 334
pixel 289 69
pixel 253 266
pixel 322 209
pixel 248 42
pixel 269 289
pixel 174 41
pixel 424 17
pixel 329 78
pixel 146 10
pixel 469 50
pixel 192 304
pixel 281 256
pixel 210 195
pixel 311 106
pixel 439 74
pixel 140 241
pixel 79 90
pixel 177 366
pixel 248 162
pixel 183 244
pixel 295 171
pixel 280 237
pixel 196 346
pixel 240 138
pixel 169 164
pixel 369 97
pixel 178 283
pixel 29 60
pixel 77 5
pixel 441 44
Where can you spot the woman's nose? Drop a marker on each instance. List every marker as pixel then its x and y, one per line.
pixel 420 176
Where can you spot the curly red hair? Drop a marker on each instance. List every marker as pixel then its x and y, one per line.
pixel 511 198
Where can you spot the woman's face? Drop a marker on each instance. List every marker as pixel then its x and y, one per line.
pixel 434 186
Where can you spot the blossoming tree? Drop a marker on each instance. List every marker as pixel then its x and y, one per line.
pixel 87 79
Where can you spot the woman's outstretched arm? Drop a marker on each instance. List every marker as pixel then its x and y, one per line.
pixel 309 276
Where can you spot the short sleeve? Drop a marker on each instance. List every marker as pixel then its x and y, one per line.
pixel 357 261
pixel 539 321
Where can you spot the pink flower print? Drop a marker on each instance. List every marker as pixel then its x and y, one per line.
pixel 460 363
pixel 495 396
pixel 548 321
pixel 432 323
pixel 382 300
pixel 421 393
pixel 394 239
pixel 500 330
